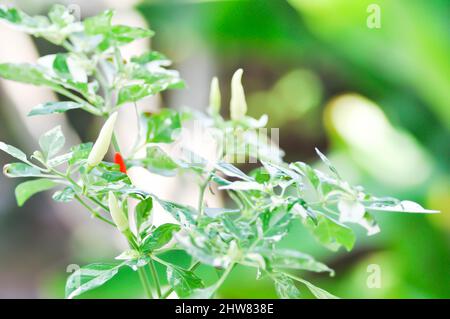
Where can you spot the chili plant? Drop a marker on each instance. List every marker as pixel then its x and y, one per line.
pixel 92 75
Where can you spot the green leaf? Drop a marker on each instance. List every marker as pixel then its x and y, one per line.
pixel 56 29
pixel 27 189
pixel 202 253
pixel 275 223
pixel 285 287
pixel 113 176
pixel 159 162
pixel 331 234
pixel 299 206
pixel 80 152
pixel 131 255
pixel 59 160
pixel 90 277
pixel 98 24
pixel 277 171
pixel 328 163
pixel 21 170
pixel 232 171
pixel 163 127
pixel 10 14
pixel 54 107
pixel 319 293
pixel 126 34
pixel 260 175
pixel 308 172
pixel 143 211
pixel 65 195
pixel 52 142
pixel 203 293
pixel 405 206
pixel 178 211
pixel 13 151
pixel 232 226
pixel 60 15
pixel 134 92
pixel 148 57
pixel 351 211
pixel 292 259
pixel 60 65
pixel 184 282
pixel 148 80
pixel 370 224
pixel 113 34
pixel 25 73
pixel 243 186
pixel 157 77
pixel 159 237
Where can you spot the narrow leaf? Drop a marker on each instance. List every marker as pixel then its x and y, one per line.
pixel 54 107
pixel 90 277
pixel 292 259
pixel 27 189
pixel 328 163
pixel 25 73
pixel 285 287
pixel 405 206
pixel 21 170
pixel 13 151
pixel 319 293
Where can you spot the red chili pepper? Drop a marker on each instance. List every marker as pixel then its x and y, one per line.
pixel 118 159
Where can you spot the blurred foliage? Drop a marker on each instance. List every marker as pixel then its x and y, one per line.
pixel 393 136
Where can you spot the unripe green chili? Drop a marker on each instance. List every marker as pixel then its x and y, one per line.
pixel 117 213
pixel 238 105
pixel 103 141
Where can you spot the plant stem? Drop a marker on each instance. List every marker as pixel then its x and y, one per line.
pixel 141 271
pixel 80 200
pixel 85 105
pixel 201 197
pixel 104 84
pixel 93 212
pixel 115 143
pixel 151 265
pixel 294 277
pixel 144 281
pixel 96 201
pixel 224 276
pixel 138 127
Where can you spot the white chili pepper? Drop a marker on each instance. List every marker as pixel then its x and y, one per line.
pixel 103 141
pixel 117 213
pixel 238 105
pixel 214 97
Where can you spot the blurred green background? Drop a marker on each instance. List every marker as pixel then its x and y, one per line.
pixel 375 100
